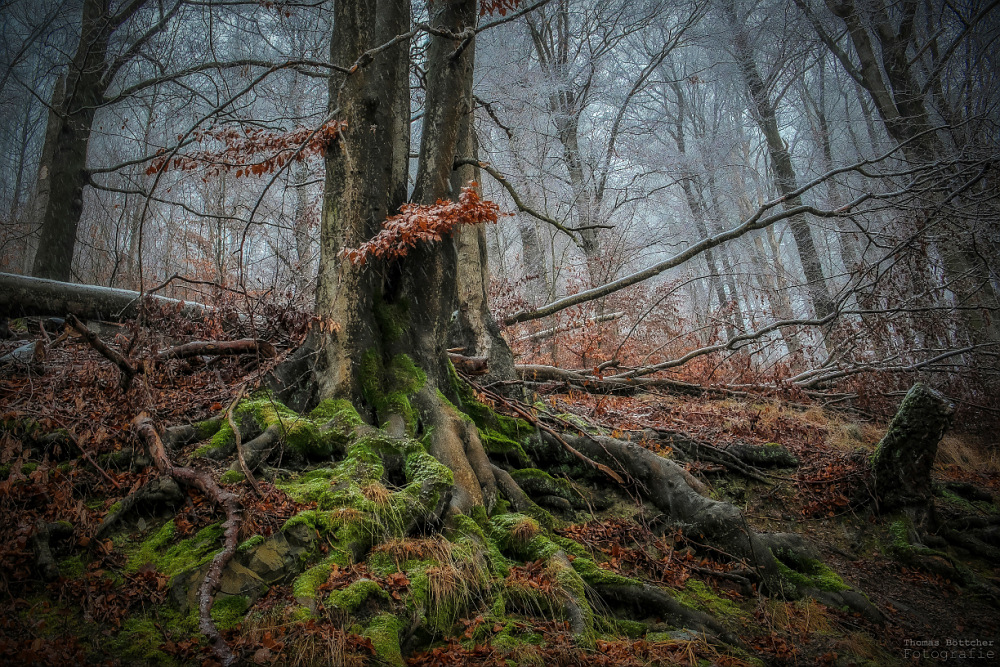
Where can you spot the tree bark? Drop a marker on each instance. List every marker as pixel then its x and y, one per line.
pixel 784 172
pixel 22 296
pixel 68 171
pixel 901 465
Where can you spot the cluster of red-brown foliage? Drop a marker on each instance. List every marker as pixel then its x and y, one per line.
pixel 501 7
pixel 428 223
pixel 240 146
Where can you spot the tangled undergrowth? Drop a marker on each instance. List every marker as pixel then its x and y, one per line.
pixel 341 559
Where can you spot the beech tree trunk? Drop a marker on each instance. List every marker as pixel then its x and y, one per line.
pixel 783 170
pixel 385 345
pixel 67 173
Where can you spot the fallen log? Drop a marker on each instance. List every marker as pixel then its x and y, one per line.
pixel 214 348
pixel 22 296
pixel 623 386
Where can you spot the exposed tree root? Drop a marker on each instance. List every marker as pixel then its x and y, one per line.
pixel 664 483
pixel 162 491
pixel 454 441
pixel 42 543
pixel 690 449
pixel 646 600
pixel 226 501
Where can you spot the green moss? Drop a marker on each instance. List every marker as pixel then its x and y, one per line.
pixel 808 572
pixel 220 443
pixel 594 575
pixel 138 642
pixel 339 411
pixel 325 430
pixel 388 386
pixel 513 532
pixel 29 468
pixel 150 549
pixel 231 477
pixel 188 553
pixel 899 534
pixel 383 631
pixel 621 627
pixel 350 521
pixel 206 429
pixel 249 544
pixel 498 444
pixel 306 585
pixel 392 318
pixel 571 547
pixel 352 597
pixel 72 567
pixel 511 637
pixel 229 610
pixel 698 595
pixel 537 482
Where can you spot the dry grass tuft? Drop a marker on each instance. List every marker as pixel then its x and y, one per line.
pixel 377 494
pixel 435 548
pixel 970 453
pixel 524 531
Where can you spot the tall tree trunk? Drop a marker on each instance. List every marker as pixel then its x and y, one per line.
pixel 883 44
pixel 43 181
pixel 783 171
pixel 474 327
pixel 383 342
pixel 692 188
pixel 551 42
pixel 68 171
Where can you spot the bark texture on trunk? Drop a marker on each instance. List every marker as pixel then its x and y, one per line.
pixel 384 341
pixel 783 170
pixel 67 175
pixel 901 465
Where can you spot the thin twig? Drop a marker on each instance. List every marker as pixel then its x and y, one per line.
pixel 239 442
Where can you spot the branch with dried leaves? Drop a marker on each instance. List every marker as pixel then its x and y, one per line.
pixel 129 369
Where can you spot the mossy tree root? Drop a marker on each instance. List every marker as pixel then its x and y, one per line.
pixel 42 543
pixel 652 601
pixel 690 449
pixel 522 537
pixel 519 500
pixel 454 441
pixel 157 492
pixel 665 484
pixel 226 501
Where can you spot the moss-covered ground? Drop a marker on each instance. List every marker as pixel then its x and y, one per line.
pixel 339 563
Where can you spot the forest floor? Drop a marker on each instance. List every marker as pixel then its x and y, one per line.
pixel 112 602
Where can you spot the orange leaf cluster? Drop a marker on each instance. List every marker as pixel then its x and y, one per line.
pixel 424 222
pixel 490 7
pixel 239 147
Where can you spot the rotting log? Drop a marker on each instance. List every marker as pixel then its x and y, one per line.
pixel 901 464
pixel 218 349
pixel 22 296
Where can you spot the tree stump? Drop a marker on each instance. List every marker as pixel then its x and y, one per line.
pixel 901 465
